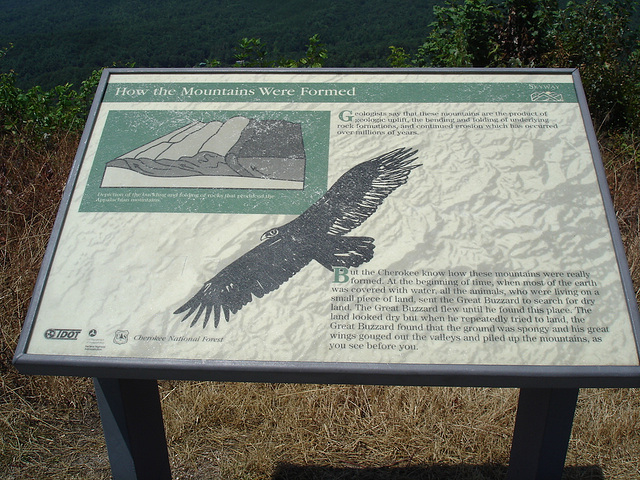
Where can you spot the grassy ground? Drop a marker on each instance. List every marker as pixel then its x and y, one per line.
pixel 50 426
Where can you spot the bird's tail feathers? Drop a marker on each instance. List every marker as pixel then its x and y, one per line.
pixel 345 252
pixel 205 303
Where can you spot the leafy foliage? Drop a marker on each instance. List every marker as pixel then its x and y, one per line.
pixel 315 57
pixel 594 36
pixel 480 33
pixel 252 52
pixel 36 116
pixel 463 35
pixel 522 36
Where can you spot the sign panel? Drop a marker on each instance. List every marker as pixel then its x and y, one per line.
pixel 397 218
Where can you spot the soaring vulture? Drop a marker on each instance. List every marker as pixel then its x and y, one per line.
pixel 317 234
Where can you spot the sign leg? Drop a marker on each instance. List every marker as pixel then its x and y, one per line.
pixel 542 432
pixel 133 428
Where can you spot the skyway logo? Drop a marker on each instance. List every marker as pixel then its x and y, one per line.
pixel 62 334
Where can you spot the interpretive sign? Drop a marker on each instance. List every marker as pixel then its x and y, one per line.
pixel 228 224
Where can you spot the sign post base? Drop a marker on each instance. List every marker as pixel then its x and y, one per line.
pixel 541 434
pixel 133 428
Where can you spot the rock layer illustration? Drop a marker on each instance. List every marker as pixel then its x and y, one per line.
pixel 238 147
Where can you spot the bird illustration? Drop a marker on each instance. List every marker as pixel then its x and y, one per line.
pixel 316 234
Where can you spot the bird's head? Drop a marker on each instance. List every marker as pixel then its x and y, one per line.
pixel 269 234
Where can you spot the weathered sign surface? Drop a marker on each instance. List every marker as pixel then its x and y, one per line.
pixel 352 218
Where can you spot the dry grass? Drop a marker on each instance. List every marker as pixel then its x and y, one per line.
pixel 321 431
pixel 621 156
pixel 50 428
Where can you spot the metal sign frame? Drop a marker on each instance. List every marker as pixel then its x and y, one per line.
pixel 332 372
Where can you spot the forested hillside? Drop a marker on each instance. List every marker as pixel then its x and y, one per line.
pixel 60 42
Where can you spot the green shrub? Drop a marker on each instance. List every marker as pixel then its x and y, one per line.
pixel 594 36
pixel 463 35
pixel 252 52
pixel 36 116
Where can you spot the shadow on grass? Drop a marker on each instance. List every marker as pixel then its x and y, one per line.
pixel 423 472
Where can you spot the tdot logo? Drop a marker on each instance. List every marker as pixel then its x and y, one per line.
pixel 62 334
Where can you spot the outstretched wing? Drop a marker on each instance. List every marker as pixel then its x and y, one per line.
pixel 360 191
pixel 256 273
pixel 348 203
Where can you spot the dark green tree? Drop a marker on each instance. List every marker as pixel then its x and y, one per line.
pixel 522 34
pixel 596 37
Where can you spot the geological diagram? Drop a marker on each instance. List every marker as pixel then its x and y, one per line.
pixel 237 153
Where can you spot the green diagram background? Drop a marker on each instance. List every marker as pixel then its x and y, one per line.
pixel 126 130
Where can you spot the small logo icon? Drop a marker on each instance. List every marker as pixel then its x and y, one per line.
pixel 121 337
pixel 62 333
pixel 93 332
pixel 546 97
